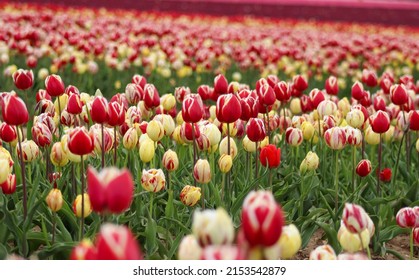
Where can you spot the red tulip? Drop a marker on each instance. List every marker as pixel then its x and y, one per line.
pixel 70 90
pixel 266 95
pixel 117 243
pixel 385 175
pixel 206 92
pixel 81 141
pixel 262 219
pixel 99 112
pixel 272 80
pixel 398 94
pixel 220 84
pixel 249 104
pixel 224 252
pixel 228 109
pixel 299 83
pixel 84 251
pixel 9 186
pixel 139 80
pixel 7 132
pixel 283 91
pixel 406 218
pixel 380 122
pixel 369 77
pixel 181 93
pixel 414 120
pixel 111 190
pixel 186 131
pixel 192 108
pixel 357 91
pixel 363 168
pixel 379 103
pixel 331 85
pixel 134 93
pixel 416 235
pixel 41 134
pixel 14 110
pixel 270 156
pixel 385 85
pixel 306 104
pixel 42 94
pixel 116 114
pixel 54 85
pixel 74 105
pixel 151 96
pixel 23 79
pixel 255 130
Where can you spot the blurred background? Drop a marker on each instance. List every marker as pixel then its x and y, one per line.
pixel 395 12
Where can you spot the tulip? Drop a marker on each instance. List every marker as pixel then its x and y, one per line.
pixel 8 133
pixel 289 242
pixel 5 170
pixel 130 139
pixel 23 79
pixel 308 130
pixel 310 162
pixel 270 156
pixel 282 91
pixel 155 130
pixel 299 83
pixel 189 248
pixel 228 109
pixel 168 101
pixel 54 200
pixel 380 122
pixel 323 252
pixel 354 218
pixel 202 171
pixel 30 151
pixel 170 160
pixel 408 217
pixel 81 142
pixel 133 93
pixel 417 145
pixel 294 136
pixel 222 253
pixel 99 112
pixel 139 80
pixel 9 186
pixel 355 118
pixel 192 108
pixel 220 84
pixel 225 163
pixel 262 219
pixel 385 175
pixel 147 149
pixel 363 168
pixel 41 134
pixel 74 105
pixel 213 227
pixel 351 242
pixel 85 250
pixel 398 94
pixel 316 97
pixel 326 108
pixel 224 148
pixel 369 77
pixel 153 180
pixel 14 110
pixel 255 130
pixel 335 138
pixel 78 205
pixel 54 85
pixel 151 96
pixel 116 242
pixel 116 113
pixel 167 123
pixel 295 106
pixel 357 91
pixel 190 195
pixel 331 85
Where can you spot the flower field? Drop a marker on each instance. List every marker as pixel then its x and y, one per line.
pixel 142 135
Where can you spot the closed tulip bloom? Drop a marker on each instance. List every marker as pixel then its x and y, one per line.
pixel 255 130
pixel 414 120
pixel 116 113
pixel 220 84
pixel 355 218
pixel 295 106
pixel 335 138
pixel 77 206
pixel 363 168
pixel 99 112
pixel 406 218
pixel 192 108
pixel 155 130
pixel 225 252
pixel 228 109
pixel 147 149
pixel 213 133
pixel 8 133
pixel 74 105
pixel 323 252
pixel 385 175
pixel 130 139
pixel 248 145
pixel 115 242
pixel 202 171
pixel 289 242
pixel 190 195
pixel 170 160
pixel 168 101
pixel 151 96
pixel 133 93
pixel 189 248
pixel 54 85
pixel 266 95
pixel 310 162
pixel 355 118
pixel 353 136
pixel 316 97
pixel 371 137
pixel 379 103
pixel 369 77
pixel 270 156
pixel 282 91
pixel 380 122
pixel 351 242
pixel 58 155
pixel 139 80
pixel 9 186
pixel 85 250
pixel 5 170
pixel 213 227
pixel 14 110
pixel 357 91
pixel 167 123
pixel 29 149
pixel 308 130
pixel 262 219
pixel 294 136
pixel 23 79
pixel 225 163
pixel 326 108
pixel 41 134
pixel 299 83
pixel 153 180
pixel 224 147
pixel 111 190
pixel 54 200
pixel 398 94
pixel 331 85
pixel 81 142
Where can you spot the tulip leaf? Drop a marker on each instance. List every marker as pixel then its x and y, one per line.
pixel 169 205
pixel 60 250
pixel 174 247
pixel 390 232
pixel 331 236
pixel 151 235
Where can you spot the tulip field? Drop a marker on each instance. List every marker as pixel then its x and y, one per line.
pixel 141 135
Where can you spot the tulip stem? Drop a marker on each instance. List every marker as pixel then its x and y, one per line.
pixel 362 246
pixel 396 167
pixel 59 115
pixel 194 150
pixel 82 199
pixel 267 125
pixel 229 153
pixel 411 243
pixel 22 166
pixel 380 147
pixel 54 217
pixel 150 210
pixel 270 179
pixel 114 145
pixel 363 146
pixel 257 163
pixel 285 129
pixel 336 182
pixel 73 181
pixel 103 146
pixel 353 167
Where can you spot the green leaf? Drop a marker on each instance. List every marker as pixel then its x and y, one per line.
pixel 390 232
pixel 331 236
pixel 3 252
pixel 151 236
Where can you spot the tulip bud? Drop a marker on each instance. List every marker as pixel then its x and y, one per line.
pixel 8 133
pixel 170 160
pixel 308 130
pixel 192 108
pixel 116 113
pixel 213 227
pixel 270 156
pixel 323 252
pixel 371 137
pixel 282 91
pixel 355 118
pixel 189 248
pixel 55 200
pixel 355 218
pixel 220 84
pixel 202 171
pixel 398 94
pixel 353 136
pixel 294 136
pixel 385 175
pixel 295 106
pixel 310 162
pixel 224 147
pixel 289 242
pixel 331 85
pixel 357 91
pixel 117 243
pixel 213 133
pixel 99 112
pixel 29 149
pixel 41 134
pixel 168 101
pixel 225 163
pixel 8 186
pixel 14 110
pixel 363 168
pixel 84 251
pixel 147 149
pixel 54 85
pixel 130 139
pixel 151 96
pixel 380 122
pixel 255 130
pixel 316 97
pixel 23 79
pixel 155 130
pixel 407 218
pixel 228 109
pixel 326 108
pixel 299 83
pixel 74 105
pixel 153 180
pixel 262 219
pixel 248 145
pixel 77 206
pixel 190 195
pixel 81 142
pixel 414 120
pixel 351 242
pixel 335 138
pixel 133 93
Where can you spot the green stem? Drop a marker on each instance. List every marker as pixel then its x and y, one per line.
pixel 396 167
pixel 150 210
pixel 229 153
pixel 353 167
pixel 114 145
pixel 22 166
pixel 380 147
pixel 411 244
pixel 103 146
pixel 82 199
pixel 194 149
pixel 336 182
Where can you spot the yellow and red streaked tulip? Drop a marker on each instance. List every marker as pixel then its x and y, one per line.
pixel 294 136
pixel 232 128
pixel 335 138
pixel 262 219
pixel 74 104
pixel 228 109
pixel 5 170
pixel 167 122
pixel 355 118
pixel 353 136
pixel 213 227
pixel 8 133
pixel 5 154
pixel 29 149
pixel 54 200
pixel 9 186
pixel 192 108
pixel 153 180
pixel 223 148
pixel 77 206
pixel 170 160
pixel 323 252
pixel 54 85
pixel 181 93
pixel 355 218
pixel 357 91
pixel 220 84
pixel 85 250
pixel 189 248
pixel 108 140
pixel 326 108
pixel 116 242
pixel 344 106
pixel 100 112
pixel 186 131
pixel 190 195
pixel 202 171
pixel 130 139
pixel 351 242
pixel 222 253
pixel 155 130
pixel 81 142
pixel 363 168
pixel 111 190
pixel 212 132
pixel 295 106
pixel 225 163
pixel 168 101
pixel 116 113
pixel 41 134
pixel 255 130
pixel 380 122
pixel 133 93
pixel 270 156
pixel 332 86
pixel 147 149
pixel 203 143
pixel 58 155
pixel 14 110
pixel 310 162
pixel 407 218
pixel 398 94
pixel 46 119
pixel 23 79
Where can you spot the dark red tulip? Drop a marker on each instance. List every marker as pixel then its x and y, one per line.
pixel 14 110
pixel 151 96
pixel 23 79
pixel 380 122
pixel 255 130
pixel 385 175
pixel 357 91
pixel 54 85
pixel 116 114
pixel 74 104
pixel 99 112
pixel 81 142
pixel 331 85
pixel 220 84
pixel 363 168
pixel 414 120
pixel 192 108
pixel 7 132
pixel 398 94
pixel 270 156
pixel 299 83
pixel 283 91
pixel 228 109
